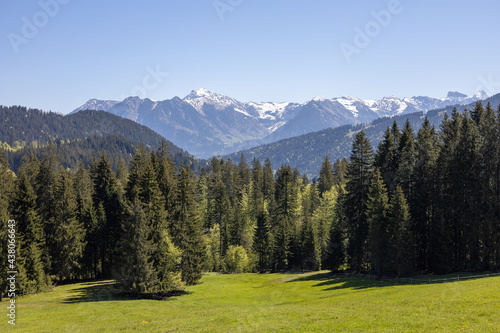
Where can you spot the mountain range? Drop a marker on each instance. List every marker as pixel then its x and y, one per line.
pixel 307 152
pixel 206 123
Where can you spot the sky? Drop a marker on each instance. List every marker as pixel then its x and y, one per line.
pixel 57 54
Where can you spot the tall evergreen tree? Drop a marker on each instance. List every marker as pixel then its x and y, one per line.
pixel 187 229
pixel 30 230
pixel 399 217
pixel 386 160
pixel 326 179
pixel 66 248
pixel 285 207
pixel 406 160
pixel 424 180
pixel 106 193
pixel 381 231
pixel 359 177
pixel 262 245
pixel 134 268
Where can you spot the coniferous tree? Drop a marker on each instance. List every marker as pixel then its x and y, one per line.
pixel 7 185
pixel 262 244
pixel 469 221
pixel 29 228
pixel 424 179
pixel 380 229
pixel 340 171
pixel 442 235
pixel 326 179
pixel 406 160
pixel 399 217
pixel 359 177
pixel 284 212
pixel 134 267
pixel 106 193
pixel 385 159
pixel 187 229
pixel 68 240
pixel 86 214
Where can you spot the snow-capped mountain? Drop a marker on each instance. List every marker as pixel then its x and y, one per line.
pixel 96 104
pixel 206 123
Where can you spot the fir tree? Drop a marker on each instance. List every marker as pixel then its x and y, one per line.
pixel 135 269
pixel 359 176
pixel 399 217
pixel 187 229
pixel 326 179
pixel 380 229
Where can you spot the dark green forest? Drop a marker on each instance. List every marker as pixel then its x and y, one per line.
pixel 78 137
pixel 427 200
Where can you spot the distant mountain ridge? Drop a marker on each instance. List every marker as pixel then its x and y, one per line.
pixel 307 152
pixel 206 123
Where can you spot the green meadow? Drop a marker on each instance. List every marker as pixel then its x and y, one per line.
pixel 317 302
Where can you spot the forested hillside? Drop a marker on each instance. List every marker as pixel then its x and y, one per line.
pixel 427 200
pixel 78 137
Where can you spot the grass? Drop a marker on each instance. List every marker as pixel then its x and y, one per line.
pixel 268 302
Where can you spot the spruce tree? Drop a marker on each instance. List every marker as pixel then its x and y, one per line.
pixel 29 228
pixel 66 248
pixel 106 193
pixel 187 229
pixel 380 229
pixel 399 217
pixel 359 177
pixel 423 200
pixel 6 185
pixel 326 179
pixel 134 268
pixel 385 159
pixel 282 227
pixel 406 160
pixel 261 244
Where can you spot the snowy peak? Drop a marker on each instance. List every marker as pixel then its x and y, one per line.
pixel 95 104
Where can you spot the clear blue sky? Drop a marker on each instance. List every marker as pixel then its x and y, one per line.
pixel 262 50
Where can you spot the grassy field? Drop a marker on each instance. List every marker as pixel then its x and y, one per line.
pixel 269 302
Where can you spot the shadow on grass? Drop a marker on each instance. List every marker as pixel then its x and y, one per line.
pixel 357 282
pixel 107 291
pixel 335 282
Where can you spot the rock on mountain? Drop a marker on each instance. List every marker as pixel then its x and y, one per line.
pixel 206 123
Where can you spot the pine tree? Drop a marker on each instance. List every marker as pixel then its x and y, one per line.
pixel 29 228
pixel 380 230
pixel 261 244
pixel 66 248
pixel 442 235
pixel 406 160
pixel 134 268
pixel 399 217
pixel 469 221
pixel 187 229
pixel 326 179
pixel 385 159
pixel 86 214
pixel 340 171
pixel 424 179
pixel 6 185
pixel 165 171
pixel 359 177
pixel 285 207
pixel 268 186
pixel 106 193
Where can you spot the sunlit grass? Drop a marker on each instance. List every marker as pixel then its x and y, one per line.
pixel 269 302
